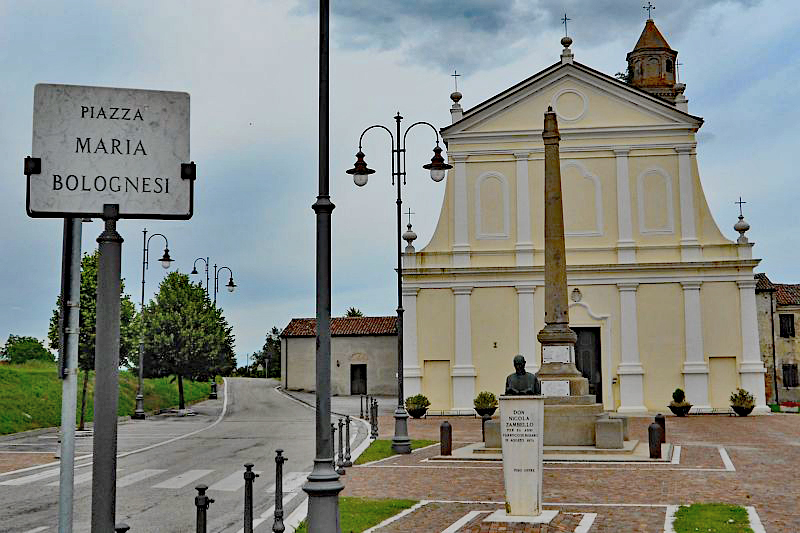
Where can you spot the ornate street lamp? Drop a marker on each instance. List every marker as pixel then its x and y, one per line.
pixel 194 269
pixel 165 261
pixel 360 172
pixel 231 286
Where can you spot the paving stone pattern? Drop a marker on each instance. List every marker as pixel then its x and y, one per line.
pixel 765 452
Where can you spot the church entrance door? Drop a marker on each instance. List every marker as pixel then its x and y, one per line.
pixel 358 379
pixel 588 360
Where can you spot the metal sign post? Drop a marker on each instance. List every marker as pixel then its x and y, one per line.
pixel 68 365
pixel 105 153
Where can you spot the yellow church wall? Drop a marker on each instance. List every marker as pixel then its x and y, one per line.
pixel 507 259
pixel 442 238
pixel 651 177
pixel 721 322
pixel 707 230
pixel 495 327
pixel 661 341
pixel 494 183
pixel 435 325
pixel 578 105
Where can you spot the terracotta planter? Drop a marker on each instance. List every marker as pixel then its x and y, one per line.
pixel 417 412
pixel 680 410
pixel 742 410
pixel 488 411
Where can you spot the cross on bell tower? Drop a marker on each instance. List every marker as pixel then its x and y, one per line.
pixel 649 7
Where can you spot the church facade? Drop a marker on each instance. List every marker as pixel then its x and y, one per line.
pixel 659 298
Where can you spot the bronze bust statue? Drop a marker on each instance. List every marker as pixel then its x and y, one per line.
pixel 521 382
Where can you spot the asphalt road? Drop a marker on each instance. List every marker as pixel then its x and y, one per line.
pixel 155 487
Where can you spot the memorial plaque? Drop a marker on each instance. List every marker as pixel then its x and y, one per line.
pixel 557 354
pixel 521 429
pixel 555 388
pixel 102 145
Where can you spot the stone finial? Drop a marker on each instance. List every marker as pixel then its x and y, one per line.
pixel 409 236
pixel 566 54
pixel 742 226
pixel 456 112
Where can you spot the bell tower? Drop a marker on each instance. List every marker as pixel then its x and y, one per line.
pixel 652 65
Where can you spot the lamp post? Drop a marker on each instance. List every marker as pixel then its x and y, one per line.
pixel 360 172
pixel 230 285
pixel 165 260
pixel 194 269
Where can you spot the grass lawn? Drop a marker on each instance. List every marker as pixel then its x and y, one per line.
pixel 359 514
pixel 712 518
pixel 30 395
pixel 382 448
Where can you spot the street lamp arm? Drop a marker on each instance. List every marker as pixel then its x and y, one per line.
pixel 220 269
pixel 417 124
pixel 147 247
pixel 203 259
pixel 391 136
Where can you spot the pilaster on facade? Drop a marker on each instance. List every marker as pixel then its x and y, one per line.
pixel 695 367
pixel 412 373
pixel 751 368
pixel 630 370
pixel 690 247
pixel 524 244
pixel 461 247
pixel 463 371
pixel 527 336
pixel 626 247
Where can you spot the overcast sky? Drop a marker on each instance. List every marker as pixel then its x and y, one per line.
pixel 251 69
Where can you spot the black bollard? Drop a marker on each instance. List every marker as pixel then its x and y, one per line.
pixel 374 419
pixel 333 445
pixel 347 457
pixel 213 394
pixel 277 525
pixel 249 476
pixel 340 463
pixel 121 528
pixel 202 502
pixel 361 407
pixel 654 438
pixel 661 420
pixel 445 438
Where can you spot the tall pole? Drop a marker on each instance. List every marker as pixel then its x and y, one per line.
pixel 216 283
pixel 323 484
pixel 70 315
pixel 106 367
pixel 400 441
pixel 138 414
pixel 206 276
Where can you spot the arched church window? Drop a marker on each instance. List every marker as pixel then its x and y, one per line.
pixel 653 68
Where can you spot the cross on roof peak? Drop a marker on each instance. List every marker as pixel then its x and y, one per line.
pixel 564 20
pixel 649 7
pixel 409 213
pixel 740 203
pixel 455 75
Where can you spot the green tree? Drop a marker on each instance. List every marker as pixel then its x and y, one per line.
pixel 185 335
pixel 19 349
pixel 354 311
pixel 270 354
pixel 128 330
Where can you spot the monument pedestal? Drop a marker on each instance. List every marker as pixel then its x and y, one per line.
pixel 521 429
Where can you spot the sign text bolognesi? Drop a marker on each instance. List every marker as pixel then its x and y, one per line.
pixel 101 145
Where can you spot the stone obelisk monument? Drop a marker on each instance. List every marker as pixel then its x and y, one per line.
pixel 570 412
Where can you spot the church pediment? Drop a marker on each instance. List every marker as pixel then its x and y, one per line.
pixel 584 99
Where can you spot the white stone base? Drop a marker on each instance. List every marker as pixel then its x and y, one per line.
pixel 500 516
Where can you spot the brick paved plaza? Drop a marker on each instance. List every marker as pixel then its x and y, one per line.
pixel 748 461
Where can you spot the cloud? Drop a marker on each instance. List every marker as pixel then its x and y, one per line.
pixel 476 34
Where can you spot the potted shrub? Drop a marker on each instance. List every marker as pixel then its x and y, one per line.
pixel 679 406
pixel 417 405
pixel 742 402
pixel 485 403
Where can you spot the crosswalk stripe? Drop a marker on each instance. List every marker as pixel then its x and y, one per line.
pixel 77 480
pixel 182 480
pixel 130 479
pixel 291 482
pixel 30 479
pixel 231 483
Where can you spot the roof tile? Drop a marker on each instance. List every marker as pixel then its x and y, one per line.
pixel 343 326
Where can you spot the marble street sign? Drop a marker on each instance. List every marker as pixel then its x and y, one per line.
pixel 102 145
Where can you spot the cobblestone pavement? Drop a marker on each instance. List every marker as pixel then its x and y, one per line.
pixel 749 461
